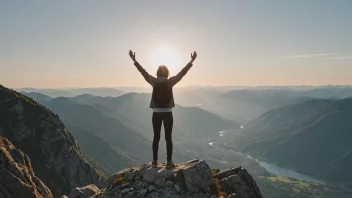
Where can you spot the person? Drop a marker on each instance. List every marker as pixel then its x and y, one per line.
pixel 162 102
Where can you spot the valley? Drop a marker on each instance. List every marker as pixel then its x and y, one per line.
pixel 116 133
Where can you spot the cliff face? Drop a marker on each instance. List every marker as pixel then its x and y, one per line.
pixel 56 157
pixel 17 178
pixel 188 180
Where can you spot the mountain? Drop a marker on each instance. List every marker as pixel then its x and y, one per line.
pixel 311 137
pixel 133 110
pixel 41 98
pixel 241 104
pixel 17 176
pixel 339 92
pixel 55 155
pixel 54 93
pixel 95 148
pixel 244 105
pixel 92 146
pixel 101 91
pixel 112 131
pixel 248 103
pixel 193 178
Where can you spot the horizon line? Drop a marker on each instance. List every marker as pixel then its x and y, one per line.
pixel 190 86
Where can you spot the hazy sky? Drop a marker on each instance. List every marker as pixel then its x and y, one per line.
pixel 85 43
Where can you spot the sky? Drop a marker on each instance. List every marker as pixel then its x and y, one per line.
pixel 85 43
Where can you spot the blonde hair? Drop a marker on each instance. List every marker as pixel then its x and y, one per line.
pixel 163 71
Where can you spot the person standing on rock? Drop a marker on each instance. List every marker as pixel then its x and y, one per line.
pixel 162 102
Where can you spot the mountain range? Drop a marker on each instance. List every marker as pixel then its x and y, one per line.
pixel 312 137
pixel 306 130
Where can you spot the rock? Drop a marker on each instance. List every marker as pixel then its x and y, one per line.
pixel 192 188
pixel 192 179
pixel 198 174
pixel 139 184
pixel 125 191
pixel 56 156
pixel 150 175
pixel 143 192
pixel 17 178
pixel 151 188
pixel 234 195
pixel 160 182
pixel 125 185
pixel 240 182
pixel 250 182
pixel 166 172
pixel 169 184
pixel 180 179
pixel 120 174
pixel 177 188
pixel 228 172
pixel 130 175
pixel 130 194
pixel 137 178
pixel 234 183
pixel 138 174
pixel 83 192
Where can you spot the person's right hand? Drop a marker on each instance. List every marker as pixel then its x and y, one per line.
pixel 132 55
pixel 193 56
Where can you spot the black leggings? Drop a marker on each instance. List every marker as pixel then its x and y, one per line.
pixel 158 118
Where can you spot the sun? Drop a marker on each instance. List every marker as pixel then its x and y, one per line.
pixel 167 57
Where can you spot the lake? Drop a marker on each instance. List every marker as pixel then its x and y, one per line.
pixel 284 172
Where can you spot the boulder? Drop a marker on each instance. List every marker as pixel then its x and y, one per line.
pixel 151 188
pixel 112 179
pixel 234 183
pixel 160 182
pixel 150 175
pixel 240 181
pixel 83 192
pixel 197 174
pixel 228 172
pixel 169 184
pixel 143 192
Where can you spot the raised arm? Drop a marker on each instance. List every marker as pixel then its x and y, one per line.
pixel 175 79
pixel 150 79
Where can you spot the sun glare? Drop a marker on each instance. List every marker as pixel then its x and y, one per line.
pixel 167 57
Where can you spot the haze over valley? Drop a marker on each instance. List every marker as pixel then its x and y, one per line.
pixel 255 127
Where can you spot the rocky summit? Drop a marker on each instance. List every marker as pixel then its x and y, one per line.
pixel 17 178
pixel 192 179
pixel 55 155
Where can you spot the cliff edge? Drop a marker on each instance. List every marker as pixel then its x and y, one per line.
pixel 190 179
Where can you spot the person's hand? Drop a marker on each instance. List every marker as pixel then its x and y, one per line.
pixel 132 55
pixel 193 56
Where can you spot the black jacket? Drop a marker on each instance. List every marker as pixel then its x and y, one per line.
pixel 171 82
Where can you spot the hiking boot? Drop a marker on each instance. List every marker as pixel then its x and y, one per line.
pixel 154 164
pixel 170 164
